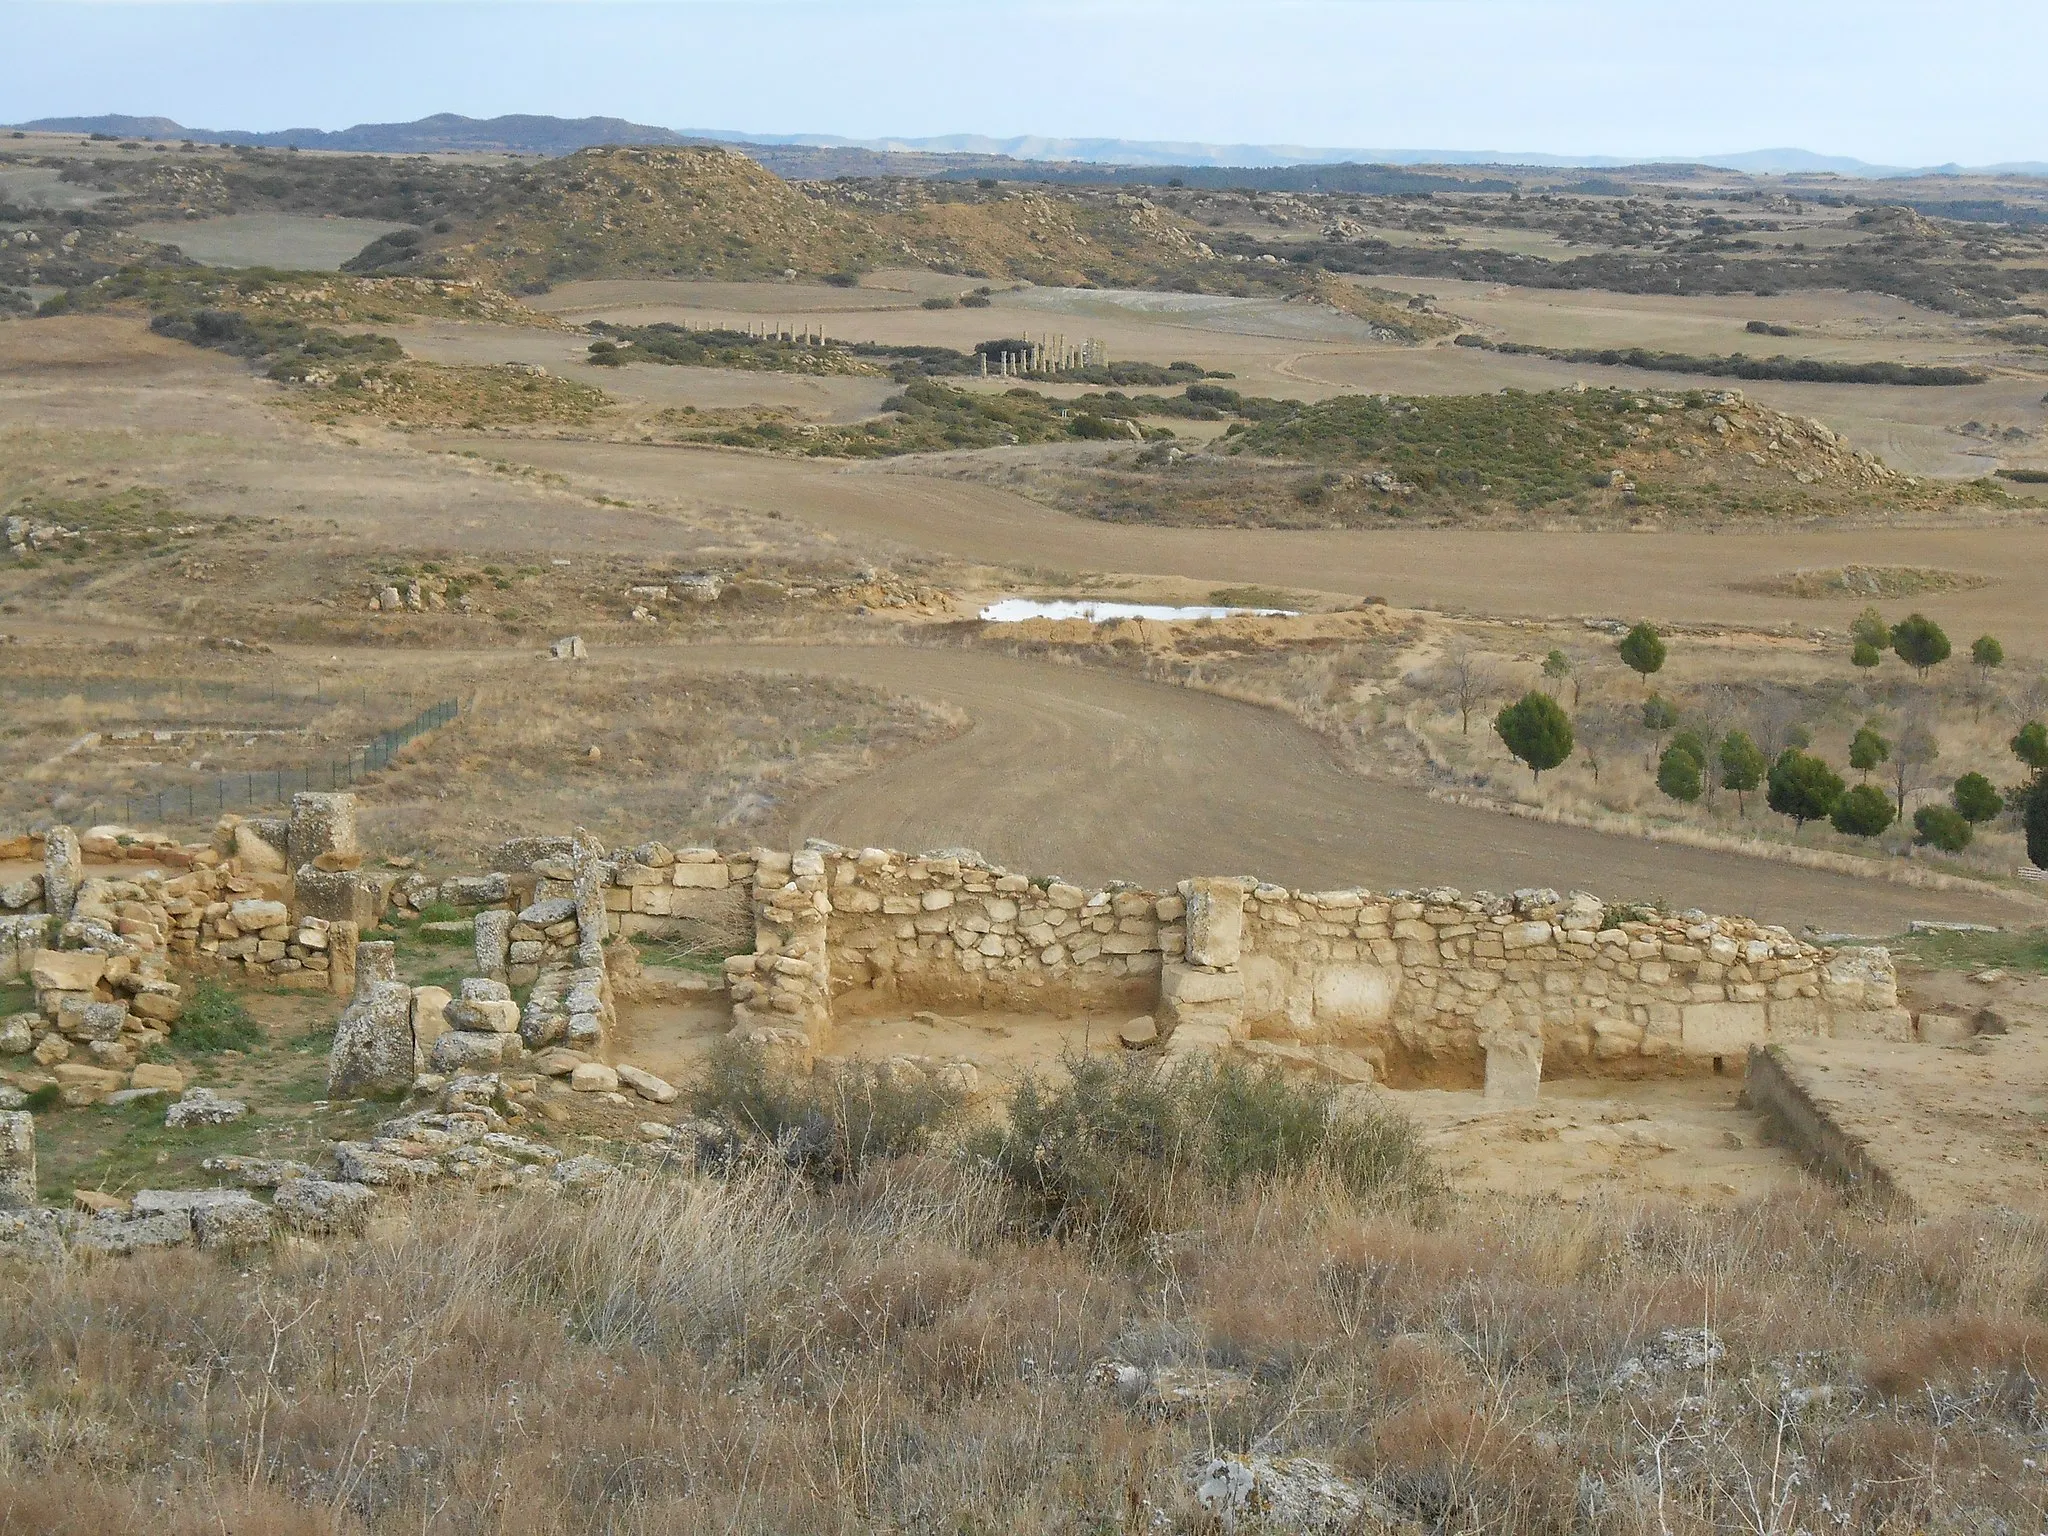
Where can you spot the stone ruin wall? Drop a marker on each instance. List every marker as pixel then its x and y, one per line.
pixel 1407 986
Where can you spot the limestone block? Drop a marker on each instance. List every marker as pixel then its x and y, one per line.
pixel 1186 984
pixel 66 970
pixel 254 914
pixel 1354 996
pixel 646 1084
pixel 652 900
pixel 1722 1029
pixel 374 1051
pixel 429 1022
pixel 63 871
pixel 487 1016
pixel 1862 978
pixel 1215 922
pixel 342 948
pixel 321 824
pixel 1514 1070
pixel 202 1106
pixel 114 1233
pixel 1793 1017
pixel 157 1075
pixel 594 1077
pixel 253 852
pixel 461 1050
pixel 493 930
pixel 17 1033
pixel 323 1205
pixel 17 1159
pixel 334 896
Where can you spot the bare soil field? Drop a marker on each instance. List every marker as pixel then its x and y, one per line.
pixel 1092 776
pixel 1697 578
pixel 293 242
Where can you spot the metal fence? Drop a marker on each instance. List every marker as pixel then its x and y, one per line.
pixel 275 786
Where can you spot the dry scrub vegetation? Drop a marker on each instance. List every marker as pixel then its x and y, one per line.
pixel 906 1351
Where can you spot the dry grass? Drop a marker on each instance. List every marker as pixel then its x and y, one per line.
pixel 762 1355
pixel 471 396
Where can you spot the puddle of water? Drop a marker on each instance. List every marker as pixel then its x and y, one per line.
pixel 1012 610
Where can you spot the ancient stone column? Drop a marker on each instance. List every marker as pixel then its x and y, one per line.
pixel 63 872
pixel 17 1160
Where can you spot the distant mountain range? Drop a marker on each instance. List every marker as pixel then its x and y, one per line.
pixel 540 135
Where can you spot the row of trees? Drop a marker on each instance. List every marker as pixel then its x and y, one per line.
pixel 1799 784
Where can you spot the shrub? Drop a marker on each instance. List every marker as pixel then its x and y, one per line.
pixel 1919 642
pixel 1121 1146
pixel 830 1124
pixel 1742 766
pixel 1865 655
pixel 1802 787
pixel 1869 628
pixel 43 1098
pixel 1642 650
pixel 1537 730
pixel 1680 773
pixel 1864 811
pixel 1986 652
pixel 1659 714
pixel 1975 799
pixel 1940 827
pixel 2034 816
pixel 215 1020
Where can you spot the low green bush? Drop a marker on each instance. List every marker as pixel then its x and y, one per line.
pixel 1119 1147
pixel 830 1124
pixel 214 1019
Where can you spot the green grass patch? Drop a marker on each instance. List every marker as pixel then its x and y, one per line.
pixel 2025 950
pixel 16 997
pixel 215 1019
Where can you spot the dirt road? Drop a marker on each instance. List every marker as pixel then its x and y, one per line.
pixel 1082 773
pixel 1665 576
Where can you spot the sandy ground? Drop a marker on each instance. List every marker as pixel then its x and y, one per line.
pixel 1687 1138
pixel 1665 576
pixel 1959 1128
pixel 295 242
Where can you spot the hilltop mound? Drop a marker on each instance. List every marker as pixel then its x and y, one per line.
pixel 612 212
pixel 706 213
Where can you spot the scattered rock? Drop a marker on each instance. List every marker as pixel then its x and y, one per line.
pixel 324 1205
pixel 1281 1493
pixel 646 1084
pixel 1139 1033
pixel 256 1172
pixel 114 1233
pixel 594 1077
pixel 202 1106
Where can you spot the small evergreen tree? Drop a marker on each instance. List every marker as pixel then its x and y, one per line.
pixel 1869 628
pixel 1863 811
pixel 1919 642
pixel 1865 655
pixel 1987 652
pixel 2034 816
pixel 1537 730
pixel 1642 650
pixel 1939 827
pixel 1802 787
pixel 1975 799
pixel 1557 667
pixel 2030 746
pixel 1742 767
pixel 1679 774
pixel 1868 750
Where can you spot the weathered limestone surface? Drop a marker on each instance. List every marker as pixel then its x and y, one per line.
pixel 375 1052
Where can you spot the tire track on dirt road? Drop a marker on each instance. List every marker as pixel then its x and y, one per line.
pixel 1096 776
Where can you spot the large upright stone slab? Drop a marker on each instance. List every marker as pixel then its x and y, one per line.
pixel 1215 920
pixel 63 872
pixel 320 824
pixel 17 1160
pixel 375 1052
pixel 493 942
pixel 337 895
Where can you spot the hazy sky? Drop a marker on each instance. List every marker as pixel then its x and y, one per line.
pixel 1915 84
